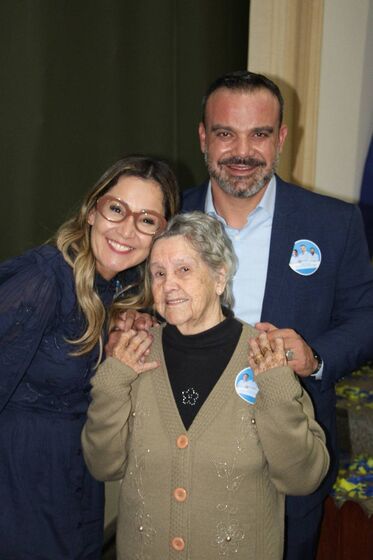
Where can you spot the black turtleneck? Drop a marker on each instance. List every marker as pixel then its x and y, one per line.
pixel 195 363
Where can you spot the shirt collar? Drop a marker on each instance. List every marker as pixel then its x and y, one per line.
pixel 267 203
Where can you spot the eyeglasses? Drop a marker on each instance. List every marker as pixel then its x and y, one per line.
pixel 115 210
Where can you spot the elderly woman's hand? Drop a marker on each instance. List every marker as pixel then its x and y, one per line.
pixel 131 348
pixel 261 355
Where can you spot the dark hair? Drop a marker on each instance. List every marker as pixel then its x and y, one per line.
pixel 243 80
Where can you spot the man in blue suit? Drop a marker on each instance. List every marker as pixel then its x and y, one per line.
pixel 323 309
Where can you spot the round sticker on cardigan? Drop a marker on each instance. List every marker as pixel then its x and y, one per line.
pixel 305 257
pixel 245 386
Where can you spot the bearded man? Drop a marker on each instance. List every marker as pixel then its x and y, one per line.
pixel 324 313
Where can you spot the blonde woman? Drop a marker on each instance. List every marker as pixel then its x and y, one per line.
pixel 52 325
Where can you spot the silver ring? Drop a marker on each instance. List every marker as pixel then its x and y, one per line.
pixel 289 354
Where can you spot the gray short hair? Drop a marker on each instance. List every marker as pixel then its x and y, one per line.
pixel 207 236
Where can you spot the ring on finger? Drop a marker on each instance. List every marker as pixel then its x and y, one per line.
pixel 289 355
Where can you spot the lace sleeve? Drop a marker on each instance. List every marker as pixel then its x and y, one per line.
pixel 28 296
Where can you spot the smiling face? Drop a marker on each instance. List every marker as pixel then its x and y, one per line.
pixel 241 140
pixel 186 291
pixel 119 246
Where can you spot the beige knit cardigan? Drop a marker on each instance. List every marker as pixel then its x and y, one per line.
pixel 216 490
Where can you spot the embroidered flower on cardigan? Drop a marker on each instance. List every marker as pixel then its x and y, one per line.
pixel 139 415
pixel 229 534
pixel 190 396
pixel 142 518
pixel 226 471
pixel 228 537
pixel 145 527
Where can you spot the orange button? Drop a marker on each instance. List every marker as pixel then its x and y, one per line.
pixel 182 441
pixel 180 494
pixel 178 543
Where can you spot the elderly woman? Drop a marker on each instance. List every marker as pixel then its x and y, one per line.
pixel 211 440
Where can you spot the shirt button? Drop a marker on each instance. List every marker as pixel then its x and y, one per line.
pixel 178 543
pixel 182 441
pixel 180 494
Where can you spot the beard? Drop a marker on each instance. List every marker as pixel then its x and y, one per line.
pixel 241 187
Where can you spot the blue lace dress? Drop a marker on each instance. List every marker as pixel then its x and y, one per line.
pixel 51 507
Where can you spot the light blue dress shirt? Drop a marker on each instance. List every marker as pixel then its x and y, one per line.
pixel 251 245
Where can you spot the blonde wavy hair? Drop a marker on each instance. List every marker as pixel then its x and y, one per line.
pixel 73 239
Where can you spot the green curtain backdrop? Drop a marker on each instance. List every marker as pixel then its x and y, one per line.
pixel 85 82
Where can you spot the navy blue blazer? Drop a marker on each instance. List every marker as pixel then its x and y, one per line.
pixel 332 309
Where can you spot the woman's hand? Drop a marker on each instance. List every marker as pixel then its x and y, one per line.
pixel 131 348
pixel 126 321
pixel 132 319
pixel 261 355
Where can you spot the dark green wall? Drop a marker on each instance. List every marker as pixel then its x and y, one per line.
pixel 84 82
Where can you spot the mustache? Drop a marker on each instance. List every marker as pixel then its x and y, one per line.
pixel 249 161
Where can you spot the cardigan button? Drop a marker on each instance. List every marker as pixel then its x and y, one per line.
pixel 180 494
pixel 253 421
pixel 182 441
pixel 178 543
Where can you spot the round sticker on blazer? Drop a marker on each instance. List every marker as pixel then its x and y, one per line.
pixel 245 386
pixel 305 257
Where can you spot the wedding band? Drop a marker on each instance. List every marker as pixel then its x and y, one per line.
pixel 289 354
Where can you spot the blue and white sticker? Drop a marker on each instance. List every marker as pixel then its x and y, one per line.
pixel 305 257
pixel 245 386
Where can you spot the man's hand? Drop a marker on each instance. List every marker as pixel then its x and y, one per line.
pixel 131 347
pixel 303 361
